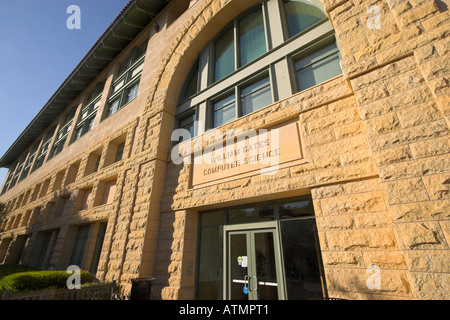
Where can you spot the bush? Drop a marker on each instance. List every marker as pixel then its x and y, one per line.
pixel 6 270
pixel 39 280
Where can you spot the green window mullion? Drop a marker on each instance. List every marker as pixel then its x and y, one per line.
pixel 237 93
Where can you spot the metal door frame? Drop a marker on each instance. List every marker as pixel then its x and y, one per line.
pixel 250 229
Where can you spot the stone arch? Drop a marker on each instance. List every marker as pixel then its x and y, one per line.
pixel 201 27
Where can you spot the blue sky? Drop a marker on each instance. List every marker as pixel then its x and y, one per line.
pixel 38 52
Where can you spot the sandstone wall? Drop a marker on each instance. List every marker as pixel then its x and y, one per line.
pixel 377 150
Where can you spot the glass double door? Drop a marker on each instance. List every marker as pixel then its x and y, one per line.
pixel 252 263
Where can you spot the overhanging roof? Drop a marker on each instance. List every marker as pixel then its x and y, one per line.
pixel 136 15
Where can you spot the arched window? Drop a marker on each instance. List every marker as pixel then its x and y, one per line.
pixel 300 15
pixel 267 53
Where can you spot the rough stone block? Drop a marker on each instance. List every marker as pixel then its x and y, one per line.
pixel 421 235
pixel 366 239
pixel 431 286
pixel 354 203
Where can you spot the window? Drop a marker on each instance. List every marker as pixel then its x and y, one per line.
pixel 256 96
pixel 44 149
pixel 98 247
pixel 62 134
pixel 126 86
pixel 47 241
pixel 188 122
pixel 252 37
pixel 29 162
pixel 251 44
pixel 88 114
pixel 224 110
pixel 242 71
pixel 119 152
pixel 301 15
pixel 132 92
pixel 191 86
pixel 7 181
pixel 80 246
pixel 317 67
pixel 224 55
pixel 253 95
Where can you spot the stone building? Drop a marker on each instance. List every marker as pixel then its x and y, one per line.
pixel 327 123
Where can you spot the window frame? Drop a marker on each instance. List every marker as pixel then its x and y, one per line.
pixel 129 77
pixel 234 25
pixel 87 117
pixel 281 52
pixel 307 51
pixel 188 114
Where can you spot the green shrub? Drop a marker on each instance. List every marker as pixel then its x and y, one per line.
pixel 6 270
pixel 39 280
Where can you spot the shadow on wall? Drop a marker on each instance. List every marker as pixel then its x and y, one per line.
pixel 443 5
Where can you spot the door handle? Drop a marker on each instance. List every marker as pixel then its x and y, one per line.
pixel 256 283
pixel 246 282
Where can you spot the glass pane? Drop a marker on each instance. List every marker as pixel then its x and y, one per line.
pixel 238 270
pixel 318 67
pixel 119 152
pixel 316 56
pixel 113 107
pixel 225 111
pixel 98 248
pixel 188 124
pixel 210 275
pixel 80 244
pixel 212 218
pixel 250 214
pixel 44 249
pixel 256 96
pixel 222 103
pixel 224 55
pixel 301 16
pixel 191 85
pixel 301 260
pixel 51 249
pixel 266 272
pixel 297 208
pixel 90 124
pixel 132 94
pixel 252 37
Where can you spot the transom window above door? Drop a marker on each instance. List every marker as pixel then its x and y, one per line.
pixel 269 52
